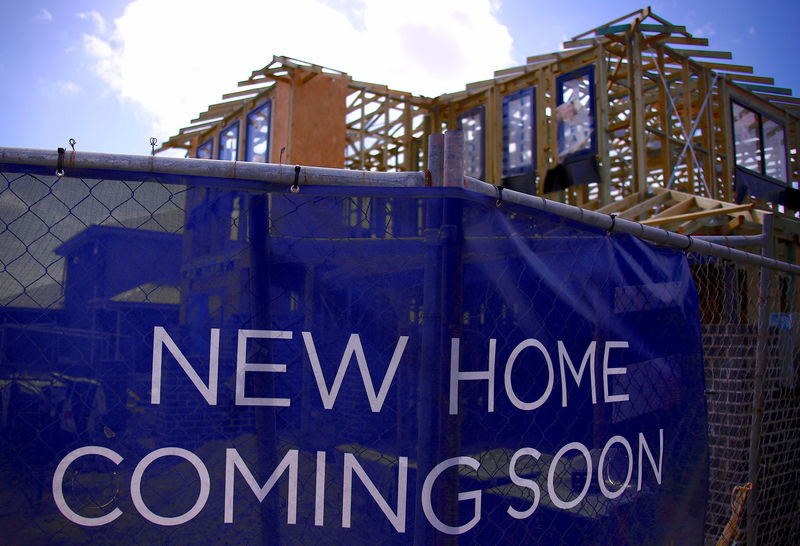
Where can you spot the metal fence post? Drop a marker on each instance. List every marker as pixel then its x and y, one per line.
pixel 429 379
pixel 438 431
pixel 754 458
pixel 266 423
pixel 454 158
pixel 436 158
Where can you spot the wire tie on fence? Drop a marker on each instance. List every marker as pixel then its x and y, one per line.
pixel 499 195
pixel 613 222
pixel 296 185
pixel 72 143
pixel 690 243
pixel 153 142
pixel 60 165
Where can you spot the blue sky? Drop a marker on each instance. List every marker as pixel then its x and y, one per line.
pixel 113 73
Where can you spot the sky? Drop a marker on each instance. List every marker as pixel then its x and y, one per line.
pixel 113 73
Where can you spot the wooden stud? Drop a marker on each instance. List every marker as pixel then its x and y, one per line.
pixel 602 126
pixel 662 220
pixel 637 114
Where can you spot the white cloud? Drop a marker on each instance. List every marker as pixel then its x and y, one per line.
pixel 96 19
pixel 68 87
pixel 175 58
pixel 59 87
pixel 43 15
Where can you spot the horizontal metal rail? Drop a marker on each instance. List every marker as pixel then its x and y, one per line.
pixel 248 175
pixel 620 225
pixel 257 176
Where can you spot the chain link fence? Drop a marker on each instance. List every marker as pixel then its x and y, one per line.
pixel 741 449
pixel 280 313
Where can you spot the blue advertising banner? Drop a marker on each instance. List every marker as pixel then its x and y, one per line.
pixel 346 365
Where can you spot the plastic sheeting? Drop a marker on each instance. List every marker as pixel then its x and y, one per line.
pixel 359 366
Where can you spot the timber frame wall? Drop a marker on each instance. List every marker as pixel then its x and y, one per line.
pixel 378 128
pixel 663 141
pixel 652 98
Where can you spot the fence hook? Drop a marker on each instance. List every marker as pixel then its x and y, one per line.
pixel 690 243
pixel 296 185
pixel 499 195
pixel 72 143
pixel 60 165
pixel 153 142
pixel 613 222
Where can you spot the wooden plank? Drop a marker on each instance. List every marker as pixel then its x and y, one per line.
pixel 778 98
pixel 664 117
pixel 244 93
pixel 614 127
pixel 685 202
pixel 685 111
pixel 724 112
pixel 735 222
pixel 539 58
pixel 604 190
pixel 767 89
pixel 540 129
pixel 679 40
pixel 692 226
pixel 660 220
pixel 207 116
pixel 229 106
pixel 746 78
pixel 707 203
pixel 514 70
pixel 383 90
pixel 494 137
pixel 614 29
pixel 706 132
pixel 704 53
pixel 195 128
pixel 639 209
pixel 621 204
pixel 638 121
pixel 570 44
pixel 663 29
pixel 263 79
pixel 731 67
pixel 479 87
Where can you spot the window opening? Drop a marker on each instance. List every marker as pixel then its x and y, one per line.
pixel 471 125
pixel 258 126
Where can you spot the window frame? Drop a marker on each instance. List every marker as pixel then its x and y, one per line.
pixel 587 70
pixel 210 143
pixel 480 111
pixel 248 131
pixel 220 149
pixel 761 117
pixel 512 171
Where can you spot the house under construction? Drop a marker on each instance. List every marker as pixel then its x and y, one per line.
pixel 635 117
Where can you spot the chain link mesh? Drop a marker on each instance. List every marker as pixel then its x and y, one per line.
pixel 730 304
pixel 89 266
